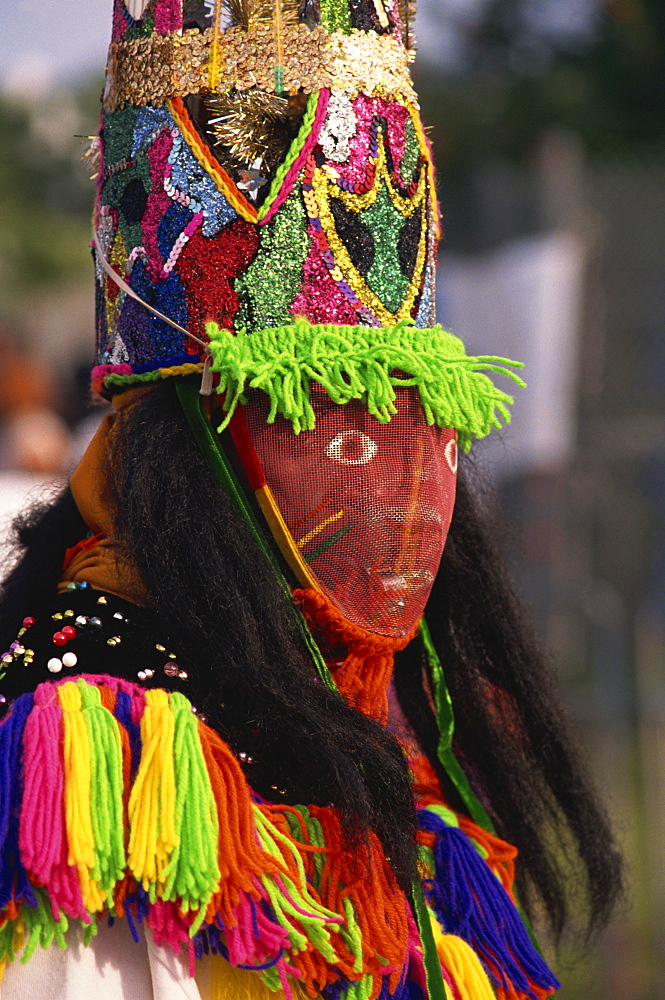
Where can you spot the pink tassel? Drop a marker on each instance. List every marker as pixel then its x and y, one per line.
pixel 114 683
pixel 168 926
pixel 416 965
pixel 138 706
pixel 65 890
pixel 42 825
pixel 42 831
pixel 246 947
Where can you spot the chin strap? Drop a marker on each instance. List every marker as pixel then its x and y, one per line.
pixel 445 719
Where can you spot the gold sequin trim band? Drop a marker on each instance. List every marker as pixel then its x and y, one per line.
pixel 155 69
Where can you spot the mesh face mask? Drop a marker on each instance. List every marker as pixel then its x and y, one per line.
pixel 368 504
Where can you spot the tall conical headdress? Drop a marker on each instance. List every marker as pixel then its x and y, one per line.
pixel 266 194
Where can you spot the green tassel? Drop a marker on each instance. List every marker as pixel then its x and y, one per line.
pixel 350 931
pixel 352 935
pixel 313 928
pixel 362 363
pixel 40 926
pixel 316 839
pixel 106 789
pixel 192 874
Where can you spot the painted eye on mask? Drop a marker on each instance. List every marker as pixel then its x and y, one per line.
pixel 451 455
pixel 351 447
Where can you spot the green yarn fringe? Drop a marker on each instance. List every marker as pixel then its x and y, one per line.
pixel 357 362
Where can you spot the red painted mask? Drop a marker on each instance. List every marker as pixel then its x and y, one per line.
pixel 368 504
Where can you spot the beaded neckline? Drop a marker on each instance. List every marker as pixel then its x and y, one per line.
pixel 93 632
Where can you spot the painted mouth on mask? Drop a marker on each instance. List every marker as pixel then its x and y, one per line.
pixel 405 582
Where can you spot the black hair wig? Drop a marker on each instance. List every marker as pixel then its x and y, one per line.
pixel 235 631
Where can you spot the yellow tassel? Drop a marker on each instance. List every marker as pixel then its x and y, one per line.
pixel 462 964
pixel 152 835
pixel 78 777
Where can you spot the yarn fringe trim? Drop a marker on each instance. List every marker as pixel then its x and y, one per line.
pixel 366 364
pixel 119 801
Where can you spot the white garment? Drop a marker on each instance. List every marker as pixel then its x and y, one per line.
pixel 113 967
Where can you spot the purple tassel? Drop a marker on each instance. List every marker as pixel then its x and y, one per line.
pixel 469 901
pixel 131 923
pixel 14 883
pixel 123 713
pixel 215 941
pixel 201 945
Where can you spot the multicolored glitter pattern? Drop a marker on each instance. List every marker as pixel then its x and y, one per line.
pixel 382 206
pixel 348 241
pixel 273 279
pixel 189 184
pixel 341 231
pixel 366 110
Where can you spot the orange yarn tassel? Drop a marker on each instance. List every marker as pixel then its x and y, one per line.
pixel 239 856
pixel 364 675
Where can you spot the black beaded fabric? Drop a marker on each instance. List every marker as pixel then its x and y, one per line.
pixel 90 631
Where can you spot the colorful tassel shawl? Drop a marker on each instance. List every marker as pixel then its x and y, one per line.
pixel 118 801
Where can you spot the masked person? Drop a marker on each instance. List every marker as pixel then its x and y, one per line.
pixel 270 705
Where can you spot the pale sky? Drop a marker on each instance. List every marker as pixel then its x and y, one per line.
pixel 47 40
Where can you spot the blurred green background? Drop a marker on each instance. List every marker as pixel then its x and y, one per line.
pixel 547 119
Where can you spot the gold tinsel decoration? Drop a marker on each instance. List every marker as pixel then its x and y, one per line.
pixel 91 156
pixel 249 14
pixel 252 125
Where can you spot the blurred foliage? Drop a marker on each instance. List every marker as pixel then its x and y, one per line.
pixel 515 80
pixel 45 191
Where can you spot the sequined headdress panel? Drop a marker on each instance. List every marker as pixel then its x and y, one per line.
pixel 265 184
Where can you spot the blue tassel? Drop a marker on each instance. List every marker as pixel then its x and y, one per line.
pixel 123 713
pixel 217 946
pixel 469 901
pixel 131 923
pixel 14 883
